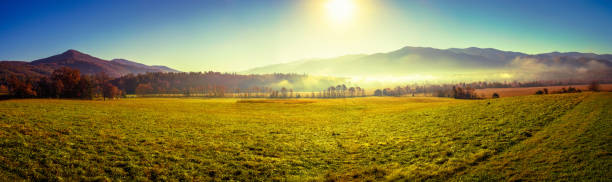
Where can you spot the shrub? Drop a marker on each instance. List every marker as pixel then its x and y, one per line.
pixel 495 95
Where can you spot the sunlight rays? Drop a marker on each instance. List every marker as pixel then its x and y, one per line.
pixel 340 11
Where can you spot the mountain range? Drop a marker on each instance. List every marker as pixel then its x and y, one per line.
pixel 469 63
pixel 414 63
pixel 85 63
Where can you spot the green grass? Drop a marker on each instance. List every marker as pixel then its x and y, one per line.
pixel 550 137
pixel 575 147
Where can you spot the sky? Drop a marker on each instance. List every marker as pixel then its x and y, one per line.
pixel 235 35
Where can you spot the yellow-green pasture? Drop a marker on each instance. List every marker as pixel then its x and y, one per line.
pixel 548 137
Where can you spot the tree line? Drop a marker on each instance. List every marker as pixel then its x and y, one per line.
pixel 62 83
pixel 216 84
pixel 459 91
pixel 467 90
pixel 70 83
pixel 593 86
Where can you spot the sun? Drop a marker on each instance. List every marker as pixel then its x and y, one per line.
pixel 340 10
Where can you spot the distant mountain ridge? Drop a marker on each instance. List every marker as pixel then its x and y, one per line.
pixel 469 62
pixel 85 63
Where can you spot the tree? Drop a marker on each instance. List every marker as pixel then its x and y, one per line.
pixel 3 89
pixel 45 88
pixel 351 92
pixel 84 88
pixel 58 86
pixel 387 92
pixel 283 92
pixel 99 80
pixel 469 93
pixel 378 92
pixel 332 91
pixel 20 89
pixel 69 79
pixel 110 91
pixel 459 93
pixel 399 91
pixel 463 93
pixel 143 89
pixel 594 86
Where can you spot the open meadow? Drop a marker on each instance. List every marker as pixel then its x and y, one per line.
pixel 546 137
pixel 511 92
pixel 305 90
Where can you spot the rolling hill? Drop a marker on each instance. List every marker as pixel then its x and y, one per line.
pixel 468 63
pixel 86 63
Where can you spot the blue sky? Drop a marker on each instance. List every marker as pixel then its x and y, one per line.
pixel 233 35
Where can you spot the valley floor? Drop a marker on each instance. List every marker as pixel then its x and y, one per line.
pixel 537 137
pixel 511 92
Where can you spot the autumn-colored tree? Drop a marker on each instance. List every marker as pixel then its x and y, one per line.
pixel 3 89
pixel 143 89
pixel 110 91
pixel 85 88
pixel 459 92
pixel 69 79
pixel 20 89
pixel 99 80
pixel 58 88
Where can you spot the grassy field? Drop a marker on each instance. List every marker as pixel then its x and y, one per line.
pixel 546 137
pixel 511 92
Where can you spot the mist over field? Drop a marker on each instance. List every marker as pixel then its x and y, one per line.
pixel 418 64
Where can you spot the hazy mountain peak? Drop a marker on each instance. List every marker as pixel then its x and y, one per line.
pixel 413 48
